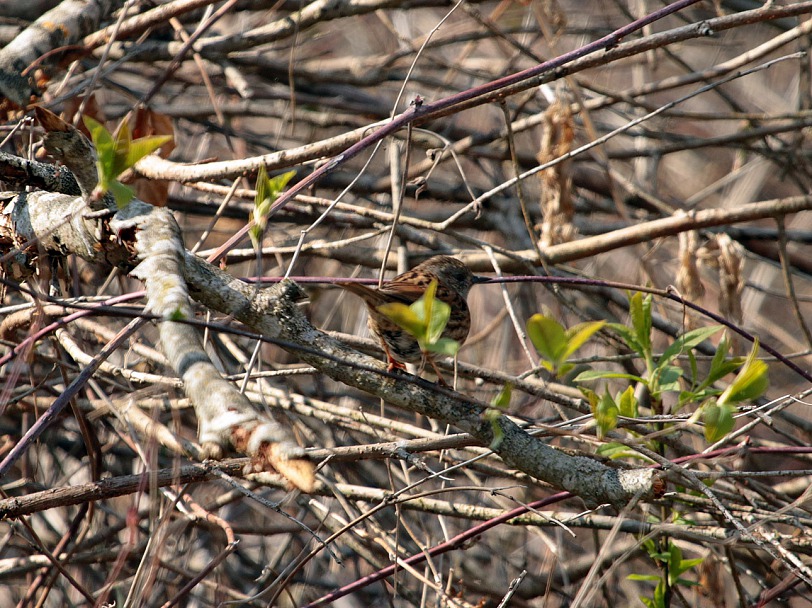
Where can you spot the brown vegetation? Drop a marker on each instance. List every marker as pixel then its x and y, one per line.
pixel 660 149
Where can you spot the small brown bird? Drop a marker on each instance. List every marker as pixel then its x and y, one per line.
pixel 454 280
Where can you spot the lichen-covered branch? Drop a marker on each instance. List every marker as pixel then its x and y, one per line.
pixel 148 238
pixel 63 25
pixel 275 313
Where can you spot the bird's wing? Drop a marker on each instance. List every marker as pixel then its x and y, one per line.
pixel 369 295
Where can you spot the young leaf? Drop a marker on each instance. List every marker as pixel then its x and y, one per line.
pixel 720 366
pixel 261 206
pixel 668 378
pixel 590 396
pixel 425 320
pixel 105 150
pixel 577 335
pixel 144 146
pixel 628 336
pixel 548 336
pixel 751 381
pixel 114 156
pixel 686 342
pixel 278 183
pixel 686 565
pixel 605 413
pixel 643 577
pixel 640 313
pixel 443 346
pixel 123 140
pixel 694 367
pixel 718 421
pixel 492 414
pixel 121 192
pixel 627 403
pixel 674 556
pixel 405 317
pixel 596 374
pixel 437 314
pixel 618 450
pixel 502 400
pixel 268 190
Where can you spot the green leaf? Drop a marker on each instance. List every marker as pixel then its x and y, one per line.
pixel 114 156
pixel 405 317
pixel 123 139
pixel 659 594
pixel 443 346
pixel 605 413
pixel 268 190
pixel 590 395
pixel 436 312
pixel 723 369
pixel 255 232
pixel 548 336
pixel 674 555
pixel 627 335
pixel 263 187
pixel 596 374
pixel 677 566
pixel 668 379
pixel 640 313
pixel 577 335
pixel 105 151
pixel 627 403
pixel 176 315
pixel 687 564
pixel 643 577
pixel 686 397
pixel 750 383
pixel 262 204
pixel 121 192
pixel 686 342
pixel 502 400
pixel 425 320
pixel 686 583
pixel 424 305
pixel 720 366
pixel 649 545
pixel 144 146
pixel 493 415
pixel 615 450
pixel 498 436
pixel 280 182
pixel 718 421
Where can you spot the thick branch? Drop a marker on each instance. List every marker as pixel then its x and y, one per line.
pixel 275 313
pixel 66 24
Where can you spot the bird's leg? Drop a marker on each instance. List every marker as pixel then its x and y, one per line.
pixel 440 380
pixel 391 363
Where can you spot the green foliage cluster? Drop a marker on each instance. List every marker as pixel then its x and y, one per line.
pixel 671 562
pixel 116 154
pixel 662 378
pixel 425 320
pixel 268 190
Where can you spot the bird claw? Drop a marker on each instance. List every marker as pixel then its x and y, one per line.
pixel 392 365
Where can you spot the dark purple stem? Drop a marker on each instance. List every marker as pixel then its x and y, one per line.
pixel 601 283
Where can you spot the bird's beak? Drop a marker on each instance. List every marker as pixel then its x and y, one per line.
pixel 478 279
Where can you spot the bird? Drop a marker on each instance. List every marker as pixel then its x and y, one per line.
pixel 454 281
